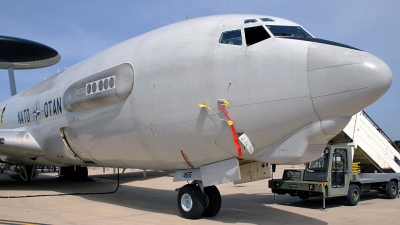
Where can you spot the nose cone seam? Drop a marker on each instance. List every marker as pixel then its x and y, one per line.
pixel 331 66
pixel 344 81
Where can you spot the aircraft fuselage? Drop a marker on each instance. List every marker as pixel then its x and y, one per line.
pixel 289 96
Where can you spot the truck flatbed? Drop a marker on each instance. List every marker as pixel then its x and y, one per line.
pixel 368 178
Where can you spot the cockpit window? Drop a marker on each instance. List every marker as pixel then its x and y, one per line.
pixel 255 35
pixel 250 21
pixel 232 37
pixel 291 31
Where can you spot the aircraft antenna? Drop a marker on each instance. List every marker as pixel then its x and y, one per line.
pixel 13 87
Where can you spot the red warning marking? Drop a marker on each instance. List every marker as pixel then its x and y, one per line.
pixel 187 160
pixel 235 137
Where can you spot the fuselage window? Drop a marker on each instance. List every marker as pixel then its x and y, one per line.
pixel 291 31
pixel 255 35
pixel 232 37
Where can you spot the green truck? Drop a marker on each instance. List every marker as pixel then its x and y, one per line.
pixel 335 175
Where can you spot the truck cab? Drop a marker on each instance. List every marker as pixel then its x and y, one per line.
pixel 332 175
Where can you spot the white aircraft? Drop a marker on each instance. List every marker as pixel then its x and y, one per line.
pixel 195 97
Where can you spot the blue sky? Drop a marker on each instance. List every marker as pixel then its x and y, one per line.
pixel 79 29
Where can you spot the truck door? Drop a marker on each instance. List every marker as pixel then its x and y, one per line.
pixel 339 181
pixel 339 167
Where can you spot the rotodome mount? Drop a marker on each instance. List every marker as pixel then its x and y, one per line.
pixel 18 53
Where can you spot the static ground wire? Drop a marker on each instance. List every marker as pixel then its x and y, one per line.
pixel 67 194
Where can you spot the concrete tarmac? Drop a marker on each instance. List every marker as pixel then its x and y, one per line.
pixel 152 200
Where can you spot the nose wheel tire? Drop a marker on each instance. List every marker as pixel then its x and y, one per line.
pixel 191 201
pixel 212 201
pixel 391 190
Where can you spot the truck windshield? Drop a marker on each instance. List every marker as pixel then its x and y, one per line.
pixel 320 164
pixel 339 161
pixel 397 143
pixel 291 31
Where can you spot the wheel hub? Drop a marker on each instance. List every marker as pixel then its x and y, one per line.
pixel 186 202
pixel 355 195
pixel 393 189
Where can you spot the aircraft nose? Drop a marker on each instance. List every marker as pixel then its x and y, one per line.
pixel 344 81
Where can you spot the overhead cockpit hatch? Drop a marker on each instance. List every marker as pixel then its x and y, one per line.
pixel 250 21
pixel 267 20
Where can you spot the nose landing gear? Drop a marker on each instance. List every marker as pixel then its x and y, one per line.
pixel 212 201
pixel 195 201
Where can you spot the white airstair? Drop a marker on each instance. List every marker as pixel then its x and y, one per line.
pixel 373 147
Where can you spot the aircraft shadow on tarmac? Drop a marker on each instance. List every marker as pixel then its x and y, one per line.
pixel 49 182
pixel 316 203
pixel 236 208
pixel 245 208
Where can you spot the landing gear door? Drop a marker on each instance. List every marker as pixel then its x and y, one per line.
pixel 67 135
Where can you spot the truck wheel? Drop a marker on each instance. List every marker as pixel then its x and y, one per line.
pixel 303 195
pixel 391 190
pixel 353 196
